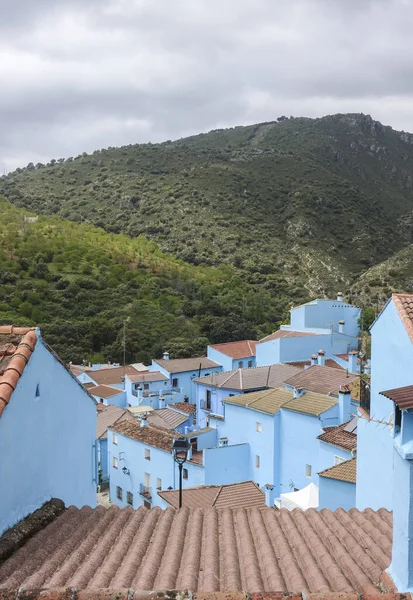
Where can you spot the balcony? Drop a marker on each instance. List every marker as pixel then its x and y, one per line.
pixel 145 491
pixel 156 393
pixel 365 396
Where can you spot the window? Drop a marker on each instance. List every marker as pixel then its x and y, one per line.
pixel 258 427
pixel 146 386
pixel 147 454
pixel 175 382
pixel 115 462
pixel 308 470
pixel 208 399
pixel 129 498
pixel 119 493
pixel 338 460
pixel 249 364
pixel 257 462
pixel 231 395
pixel 240 364
pixel 115 439
pixel 158 483
pixel 185 473
pixel 397 419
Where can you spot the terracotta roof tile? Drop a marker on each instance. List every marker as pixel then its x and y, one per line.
pixel 150 434
pixel 111 375
pixel 243 349
pixel 235 495
pixel 167 418
pixel 22 340
pixel 330 362
pixel 104 391
pixel 185 407
pixel 182 365
pixel 205 550
pixel 402 397
pixel 404 306
pixel 287 333
pixel 323 380
pixel 251 379
pixel 337 436
pixel 345 471
pixel 147 377
pixel 108 416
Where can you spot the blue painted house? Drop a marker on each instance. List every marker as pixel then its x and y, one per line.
pixel 47 429
pixel 146 389
pixel 107 415
pixel 141 462
pixel 181 373
pixel 233 355
pixel 212 389
pixel 106 394
pixel 391 367
pixel 337 486
pixel 330 325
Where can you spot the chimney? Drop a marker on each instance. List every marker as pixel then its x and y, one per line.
pixel 298 392
pixel 401 567
pixel 144 420
pixel 162 403
pixel 269 495
pixel 165 355
pixel 339 296
pixel 341 326
pixel 352 361
pixel 321 358
pixel 344 403
pixel 313 359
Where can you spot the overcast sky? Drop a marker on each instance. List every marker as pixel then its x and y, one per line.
pixel 77 75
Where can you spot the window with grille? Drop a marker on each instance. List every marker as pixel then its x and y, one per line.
pixel 119 493
pixel 129 498
pixel 185 473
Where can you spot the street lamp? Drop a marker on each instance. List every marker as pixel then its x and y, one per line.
pixel 180 449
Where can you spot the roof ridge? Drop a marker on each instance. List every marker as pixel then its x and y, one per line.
pixel 405 318
pixel 218 493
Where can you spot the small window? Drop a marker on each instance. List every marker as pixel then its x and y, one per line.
pixel 158 483
pixel 129 498
pixel 146 386
pixel 240 364
pixel 338 460
pixel 115 462
pixel 257 461
pixel 231 395
pixel 308 470
pixel 115 439
pixel 185 473
pixel 258 427
pixel 119 493
pixel 147 454
pixel 249 364
pixel 175 382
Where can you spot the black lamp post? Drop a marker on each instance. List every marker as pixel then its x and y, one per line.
pixel 180 448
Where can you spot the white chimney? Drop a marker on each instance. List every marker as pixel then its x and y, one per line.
pixel 339 296
pixel 223 442
pixel 165 356
pixel 162 402
pixel 353 366
pixel 313 359
pixel 269 495
pixel 298 392
pixel 341 326
pixel 144 420
pixel 344 404
pixel 321 358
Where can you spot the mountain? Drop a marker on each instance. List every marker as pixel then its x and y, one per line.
pixel 81 285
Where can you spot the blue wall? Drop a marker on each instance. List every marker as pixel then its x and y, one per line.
pixel 391 359
pixel 325 314
pixel 335 494
pixel 326 455
pixel 49 441
pixel 102 457
pixel 118 400
pixel 227 464
pixel 217 396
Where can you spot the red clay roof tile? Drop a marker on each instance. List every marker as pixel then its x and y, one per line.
pixel 404 306
pixel 242 349
pixel 23 340
pixel 402 397
pixel 337 436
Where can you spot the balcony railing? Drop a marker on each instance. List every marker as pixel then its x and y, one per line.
pixel 365 396
pixel 146 491
pixel 203 404
pixel 155 393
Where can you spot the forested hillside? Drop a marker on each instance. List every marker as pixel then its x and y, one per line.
pixel 80 284
pixel 300 205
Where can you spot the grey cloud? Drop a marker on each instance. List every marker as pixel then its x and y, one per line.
pixel 94 73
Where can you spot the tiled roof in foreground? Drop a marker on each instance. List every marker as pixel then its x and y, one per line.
pixel 211 550
pixel 402 397
pixel 235 495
